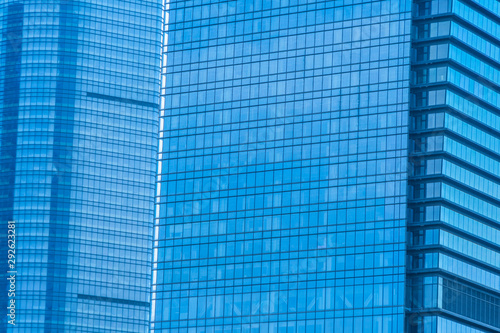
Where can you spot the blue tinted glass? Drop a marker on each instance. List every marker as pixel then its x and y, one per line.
pixel 454 161
pixel 80 91
pixel 282 199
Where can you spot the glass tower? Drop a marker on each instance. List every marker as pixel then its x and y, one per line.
pixel 79 95
pixel 329 166
pixel 453 267
pixel 282 186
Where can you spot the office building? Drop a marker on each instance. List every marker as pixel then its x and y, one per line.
pixel 329 166
pixel 79 95
pixel 453 267
pixel 282 191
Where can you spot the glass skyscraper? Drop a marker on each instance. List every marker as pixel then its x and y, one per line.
pixel 283 175
pixel 453 267
pixel 329 166
pixel 324 166
pixel 79 95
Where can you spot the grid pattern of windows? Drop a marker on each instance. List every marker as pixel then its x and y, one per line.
pixel 454 197
pixel 79 93
pixel 281 199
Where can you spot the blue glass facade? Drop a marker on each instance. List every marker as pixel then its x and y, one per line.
pixel 324 166
pixel 79 95
pixel 454 200
pixel 282 186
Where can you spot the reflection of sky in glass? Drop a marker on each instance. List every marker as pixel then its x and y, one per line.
pixel 82 120
pixel 283 167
